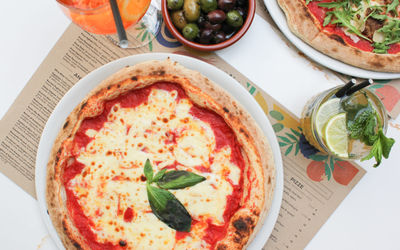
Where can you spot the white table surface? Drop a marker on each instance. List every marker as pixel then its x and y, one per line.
pixel 367 219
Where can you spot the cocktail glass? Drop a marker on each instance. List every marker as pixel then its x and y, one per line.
pixel 324 122
pixel 141 18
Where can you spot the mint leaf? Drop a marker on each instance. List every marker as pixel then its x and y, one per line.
pixel 148 171
pixel 376 152
pixel 178 179
pixel 393 7
pixel 381 146
pixel 168 209
pixel 386 143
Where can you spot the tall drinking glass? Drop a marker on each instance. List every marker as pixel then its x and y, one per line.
pixel 141 18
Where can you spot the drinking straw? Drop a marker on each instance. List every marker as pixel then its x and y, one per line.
pixel 123 40
pixel 341 92
pixel 359 86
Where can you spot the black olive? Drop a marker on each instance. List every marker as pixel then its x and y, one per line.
pixel 201 21
pixel 216 16
pixel 242 3
pixel 214 27
pixel 205 36
pixel 227 28
pixel 219 37
pixel 242 12
pixel 226 5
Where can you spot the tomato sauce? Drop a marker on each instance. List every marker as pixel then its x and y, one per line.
pixel 224 137
pixel 363 44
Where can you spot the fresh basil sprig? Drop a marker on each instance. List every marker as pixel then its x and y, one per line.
pixel 178 179
pixel 165 206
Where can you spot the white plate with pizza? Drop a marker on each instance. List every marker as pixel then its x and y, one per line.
pixel 304 32
pixel 92 170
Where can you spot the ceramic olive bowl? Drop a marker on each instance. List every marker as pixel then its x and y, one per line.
pixel 209 47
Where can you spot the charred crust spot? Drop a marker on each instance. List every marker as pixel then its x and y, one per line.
pixel 237 239
pixel 108 87
pixel 118 85
pixel 334 50
pixel 240 225
pixel 357 52
pixel 337 38
pixel 57 159
pixel 143 178
pixel 47 211
pixel 122 243
pixel 269 180
pixel 134 78
pixel 64 227
pixel 225 109
pixel 222 247
pixel 76 244
pixel 249 221
pixel 65 124
pixel 244 132
pixel 175 77
pixel 83 105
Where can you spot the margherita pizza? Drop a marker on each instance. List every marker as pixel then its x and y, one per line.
pixel 363 33
pixel 159 157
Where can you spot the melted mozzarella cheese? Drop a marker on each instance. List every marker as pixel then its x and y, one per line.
pixel 162 130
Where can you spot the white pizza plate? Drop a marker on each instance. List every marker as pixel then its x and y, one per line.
pixel 280 19
pixel 74 96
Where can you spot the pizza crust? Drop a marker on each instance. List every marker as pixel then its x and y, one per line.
pixel 304 25
pixel 257 153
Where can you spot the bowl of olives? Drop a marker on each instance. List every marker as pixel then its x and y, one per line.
pixel 208 25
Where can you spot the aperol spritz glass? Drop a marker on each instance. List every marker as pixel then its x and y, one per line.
pixel 96 16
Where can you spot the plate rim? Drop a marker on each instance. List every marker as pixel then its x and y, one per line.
pixel 279 18
pixel 59 115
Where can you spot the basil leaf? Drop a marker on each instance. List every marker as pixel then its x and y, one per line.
pixel 159 175
pixel 178 179
pixel 148 171
pixel 168 209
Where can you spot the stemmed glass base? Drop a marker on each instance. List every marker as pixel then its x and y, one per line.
pixel 143 32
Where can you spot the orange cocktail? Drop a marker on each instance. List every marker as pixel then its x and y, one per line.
pixel 96 16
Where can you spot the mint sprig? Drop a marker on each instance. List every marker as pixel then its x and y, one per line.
pixel 365 125
pixel 381 147
pixel 164 205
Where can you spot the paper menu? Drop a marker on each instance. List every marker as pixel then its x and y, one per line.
pixel 306 204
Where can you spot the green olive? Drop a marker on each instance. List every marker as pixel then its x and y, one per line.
pixel 190 31
pixel 208 5
pixel 191 9
pixel 178 19
pixel 234 19
pixel 174 4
